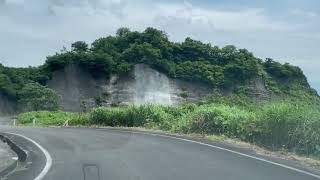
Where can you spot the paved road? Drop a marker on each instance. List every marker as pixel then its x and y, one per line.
pixel 6 120
pixel 89 154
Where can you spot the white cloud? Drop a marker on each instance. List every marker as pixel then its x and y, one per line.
pixel 247 20
pixel 67 17
pixel 14 1
pixel 303 13
pixel 92 6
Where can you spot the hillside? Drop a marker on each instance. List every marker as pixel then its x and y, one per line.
pixel 182 67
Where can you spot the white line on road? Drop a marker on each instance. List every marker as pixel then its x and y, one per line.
pixel 48 165
pixel 228 150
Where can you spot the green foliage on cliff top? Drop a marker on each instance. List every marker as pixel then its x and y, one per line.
pixel 190 60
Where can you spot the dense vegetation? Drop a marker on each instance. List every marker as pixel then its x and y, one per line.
pixel 192 60
pixel 35 97
pixel 278 125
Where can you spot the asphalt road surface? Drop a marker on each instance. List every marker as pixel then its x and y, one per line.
pixel 102 154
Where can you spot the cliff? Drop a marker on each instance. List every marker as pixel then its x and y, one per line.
pixel 142 85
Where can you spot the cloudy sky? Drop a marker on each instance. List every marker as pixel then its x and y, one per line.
pixel 286 30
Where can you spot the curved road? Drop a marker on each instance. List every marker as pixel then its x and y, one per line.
pixel 102 154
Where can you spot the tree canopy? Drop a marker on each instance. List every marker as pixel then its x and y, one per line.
pixel 80 46
pixel 36 97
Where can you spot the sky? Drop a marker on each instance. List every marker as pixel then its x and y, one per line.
pixel 285 30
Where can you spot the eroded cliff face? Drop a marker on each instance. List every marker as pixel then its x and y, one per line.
pixel 143 85
pixel 257 88
pixel 75 87
pixel 7 107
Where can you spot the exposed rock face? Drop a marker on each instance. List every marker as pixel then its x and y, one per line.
pixel 7 107
pixel 143 85
pixel 258 88
pixel 75 86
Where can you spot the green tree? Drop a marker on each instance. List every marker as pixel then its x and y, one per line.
pixel 79 46
pixel 141 53
pixel 98 64
pixel 195 50
pixel 6 86
pixel 282 71
pixel 109 45
pixel 123 32
pixel 36 97
pixel 58 61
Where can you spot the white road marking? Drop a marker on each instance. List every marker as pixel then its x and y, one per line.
pixel 15 158
pixel 48 165
pixel 228 150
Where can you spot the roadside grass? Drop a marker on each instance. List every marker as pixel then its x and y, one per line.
pixel 48 118
pixel 291 126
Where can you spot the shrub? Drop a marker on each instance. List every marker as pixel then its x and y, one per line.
pixel 178 111
pixel 217 119
pixel 81 119
pixel 47 118
pixel 108 116
pixel 149 116
pixel 144 115
pixel 35 97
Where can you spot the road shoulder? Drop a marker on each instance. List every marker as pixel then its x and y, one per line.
pixel 308 165
pixel 31 160
pixel 8 159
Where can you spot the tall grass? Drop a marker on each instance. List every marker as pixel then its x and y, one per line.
pixel 109 116
pixel 145 115
pixel 48 118
pixel 289 125
pixel 216 119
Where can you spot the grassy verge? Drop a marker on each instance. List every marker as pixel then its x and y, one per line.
pixel 278 125
pixel 48 118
